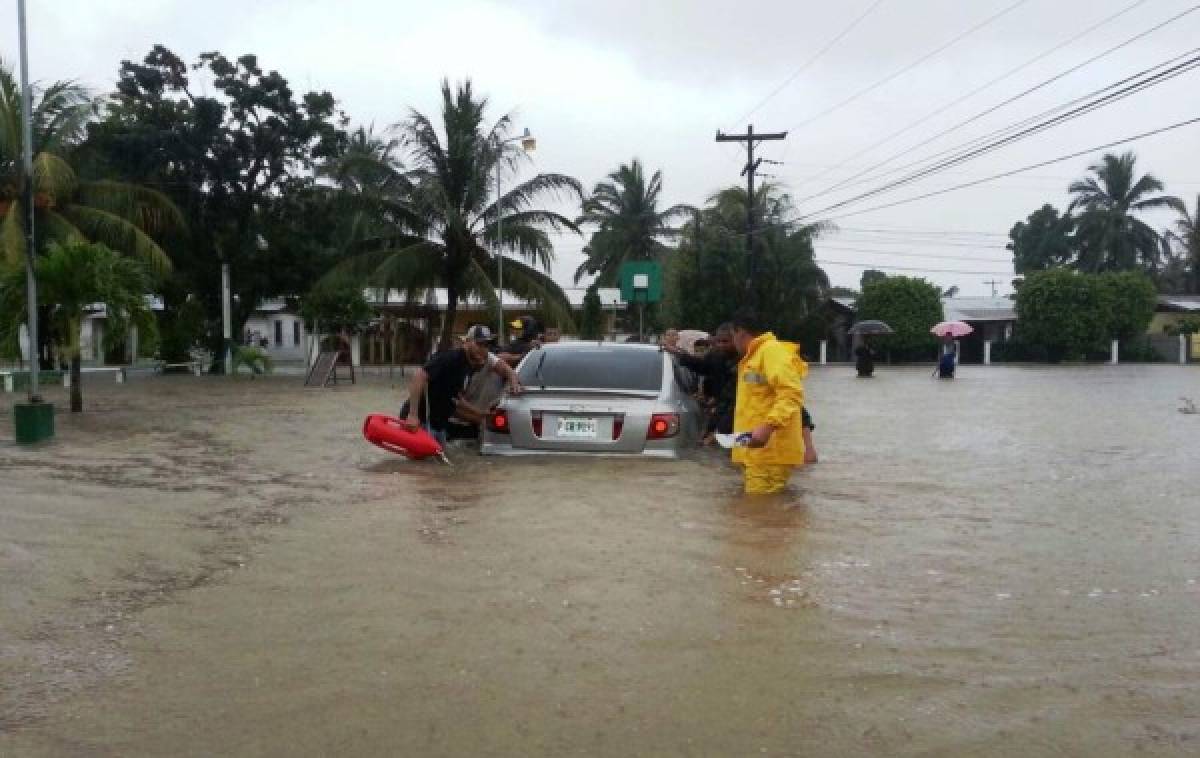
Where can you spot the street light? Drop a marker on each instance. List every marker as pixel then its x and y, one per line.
pixel 528 144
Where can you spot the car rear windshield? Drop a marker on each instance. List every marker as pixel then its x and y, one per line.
pixel 602 368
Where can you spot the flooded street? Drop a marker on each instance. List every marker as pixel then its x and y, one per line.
pixel 1004 564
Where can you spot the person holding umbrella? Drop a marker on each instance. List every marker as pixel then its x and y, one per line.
pixel 864 354
pixel 948 331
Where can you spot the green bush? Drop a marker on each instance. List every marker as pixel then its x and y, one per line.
pixel 1129 301
pixel 911 307
pixel 1062 312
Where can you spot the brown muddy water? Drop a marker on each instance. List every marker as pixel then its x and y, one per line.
pixel 1005 564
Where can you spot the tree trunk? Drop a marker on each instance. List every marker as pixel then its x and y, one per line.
pixel 76 385
pixel 447 340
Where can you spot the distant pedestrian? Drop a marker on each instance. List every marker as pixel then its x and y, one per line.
pixel 770 401
pixel 949 358
pixel 864 360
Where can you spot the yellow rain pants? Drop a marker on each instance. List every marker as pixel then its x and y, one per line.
pixel 766 479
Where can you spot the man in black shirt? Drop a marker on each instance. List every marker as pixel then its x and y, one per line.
pixel 436 389
pixel 718 368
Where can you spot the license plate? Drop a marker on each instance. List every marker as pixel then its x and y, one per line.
pixel 579 428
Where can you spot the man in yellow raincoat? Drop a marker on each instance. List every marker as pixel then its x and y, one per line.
pixel 770 396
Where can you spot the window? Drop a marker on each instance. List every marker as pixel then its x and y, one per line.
pixel 278 333
pixel 604 368
pixel 295 332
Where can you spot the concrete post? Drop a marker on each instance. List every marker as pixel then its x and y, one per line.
pixel 356 351
pixel 987 352
pixel 226 320
pixel 1183 348
pixel 1116 349
pixel 10 384
pixel 824 352
pixel 133 345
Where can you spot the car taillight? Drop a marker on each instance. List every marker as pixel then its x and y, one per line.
pixel 618 426
pixel 663 425
pixel 537 424
pixel 498 421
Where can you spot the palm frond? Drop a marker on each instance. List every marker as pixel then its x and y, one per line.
pixel 54 177
pixel 119 234
pixel 149 209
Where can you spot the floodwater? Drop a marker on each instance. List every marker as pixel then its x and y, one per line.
pixel 1004 564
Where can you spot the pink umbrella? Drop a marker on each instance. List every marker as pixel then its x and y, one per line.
pixel 952 328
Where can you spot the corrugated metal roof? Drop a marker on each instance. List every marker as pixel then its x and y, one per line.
pixel 1185 303
pixel 982 308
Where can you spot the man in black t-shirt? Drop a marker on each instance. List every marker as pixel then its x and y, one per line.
pixel 437 387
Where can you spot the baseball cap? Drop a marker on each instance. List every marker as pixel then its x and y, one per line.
pixel 479 333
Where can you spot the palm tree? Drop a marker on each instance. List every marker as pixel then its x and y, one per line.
pixel 1109 234
pixel 74 278
pixel 629 226
pixel 68 210
pixel 1187 233
pixel 441 223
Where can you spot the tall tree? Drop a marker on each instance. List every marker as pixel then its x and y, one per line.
pixel 1110 236
pixel 238 155
pixel 706 274
pixel 629 225
pixel 447 229
pixel 73 279
pixel 1042 241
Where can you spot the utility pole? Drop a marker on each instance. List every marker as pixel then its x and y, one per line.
pixel 992 282
pixel 750 169
pixel 27 200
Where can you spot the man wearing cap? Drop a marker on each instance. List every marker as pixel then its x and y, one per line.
pixel 526 331
pixel 437 389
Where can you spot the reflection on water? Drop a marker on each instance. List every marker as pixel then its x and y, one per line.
pixel 1005 564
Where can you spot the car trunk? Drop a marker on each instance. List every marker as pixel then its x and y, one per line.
pixel 573 422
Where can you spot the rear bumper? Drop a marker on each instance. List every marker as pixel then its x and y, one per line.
pixel 492 448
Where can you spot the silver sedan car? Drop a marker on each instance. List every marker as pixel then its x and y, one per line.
pixel 599 398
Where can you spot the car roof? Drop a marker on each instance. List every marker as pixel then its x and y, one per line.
pixel 593 344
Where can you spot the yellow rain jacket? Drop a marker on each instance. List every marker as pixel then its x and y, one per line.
pixel 770 391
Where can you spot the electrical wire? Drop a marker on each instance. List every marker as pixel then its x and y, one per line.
pixel 808 63
pixel 937 112
pixel 910 254
pixel 984 180
pixel 827 262
pixel 904 70
pixel 1008 101
pixel 974 152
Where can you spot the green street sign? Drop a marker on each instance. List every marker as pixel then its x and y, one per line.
pixel 641 282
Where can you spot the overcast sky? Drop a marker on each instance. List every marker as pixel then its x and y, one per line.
pixel 600 83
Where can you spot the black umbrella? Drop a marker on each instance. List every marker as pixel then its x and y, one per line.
pixel 871 327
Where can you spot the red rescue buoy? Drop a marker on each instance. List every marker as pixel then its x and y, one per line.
pixel 389 433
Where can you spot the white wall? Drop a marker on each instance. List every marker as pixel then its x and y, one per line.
pixel 291 346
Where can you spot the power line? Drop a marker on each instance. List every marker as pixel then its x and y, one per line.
pixel 808 63
pixel 960 37
pixel 1011 128
pixel 1030 167
pixel 977 90
pixel 911 254
pixel 921 241
pixel 970 154
pixel 1012 99
pixel 901 230
pixel 827 262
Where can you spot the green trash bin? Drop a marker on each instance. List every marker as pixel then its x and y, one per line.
pixel 34 422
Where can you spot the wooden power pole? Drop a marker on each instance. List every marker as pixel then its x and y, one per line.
pixel 750 169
